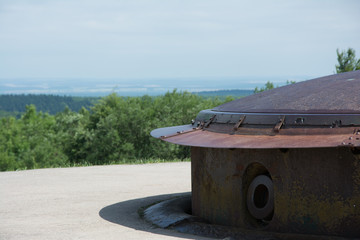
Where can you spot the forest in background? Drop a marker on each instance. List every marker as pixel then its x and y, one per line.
pixel 113 130
pixel 15 104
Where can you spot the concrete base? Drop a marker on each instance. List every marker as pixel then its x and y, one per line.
pixel 174 214
pixel 170 212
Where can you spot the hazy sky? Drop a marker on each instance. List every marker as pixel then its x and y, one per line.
pixel 174 38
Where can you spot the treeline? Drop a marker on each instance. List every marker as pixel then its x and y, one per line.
pixel 115 129
pixel 16 104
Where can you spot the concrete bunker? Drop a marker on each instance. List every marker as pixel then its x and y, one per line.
pixel 286 160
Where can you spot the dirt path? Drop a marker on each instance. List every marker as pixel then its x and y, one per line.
pixel 88 202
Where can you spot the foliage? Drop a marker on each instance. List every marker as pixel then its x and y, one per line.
pixel 114 130
pixel 269 85
pixel 14 104
pixel 347 61
pixel 290 82
pixel 29 142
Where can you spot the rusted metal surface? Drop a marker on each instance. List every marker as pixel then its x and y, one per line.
pixel 337 93
pixel 304 137
pixel 316 191
pixel 302 115
pixel 238 124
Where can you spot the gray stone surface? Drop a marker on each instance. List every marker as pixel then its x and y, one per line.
pixel 169 212
pixel 89 202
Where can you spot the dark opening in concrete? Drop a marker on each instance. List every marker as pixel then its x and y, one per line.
pixel 261 196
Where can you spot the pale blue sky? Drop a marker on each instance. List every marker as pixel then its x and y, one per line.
pixel 174 38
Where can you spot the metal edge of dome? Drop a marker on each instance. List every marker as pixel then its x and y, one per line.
pixel 170 131
pixel 289 119
pixel 201 138
pixel 338 128
pixel 201 134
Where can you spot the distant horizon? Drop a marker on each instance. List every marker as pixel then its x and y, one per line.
pixel 98 87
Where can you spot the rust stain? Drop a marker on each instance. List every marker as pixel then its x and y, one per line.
pixel 239 167
pixel 356 175
pixel 305 137
pixel 222 140
pixel 327 211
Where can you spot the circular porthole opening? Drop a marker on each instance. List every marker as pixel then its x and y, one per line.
pixel 260 198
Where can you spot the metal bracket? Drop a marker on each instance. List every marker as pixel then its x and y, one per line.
pixel 336 123
pixel 178 133
pixel 279 124
pixel 353 140
pixel 238 124
pixel 210 121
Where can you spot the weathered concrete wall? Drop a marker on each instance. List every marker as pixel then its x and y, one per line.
pixel 316 191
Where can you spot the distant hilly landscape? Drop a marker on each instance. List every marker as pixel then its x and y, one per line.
pixel 52 95
pixel 15 104
pixel 136 87
pixel 224 93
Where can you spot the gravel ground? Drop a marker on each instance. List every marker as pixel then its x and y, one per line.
pixel 98 202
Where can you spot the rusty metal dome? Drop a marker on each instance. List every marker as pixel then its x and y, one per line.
pixel 323 112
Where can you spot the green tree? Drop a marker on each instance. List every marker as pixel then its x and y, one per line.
pixel 30 142
pixel 347 61
pixel 269 85
pixel 115 129
pixel 290 82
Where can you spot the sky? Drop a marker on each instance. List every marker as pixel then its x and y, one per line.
pixel 144 39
